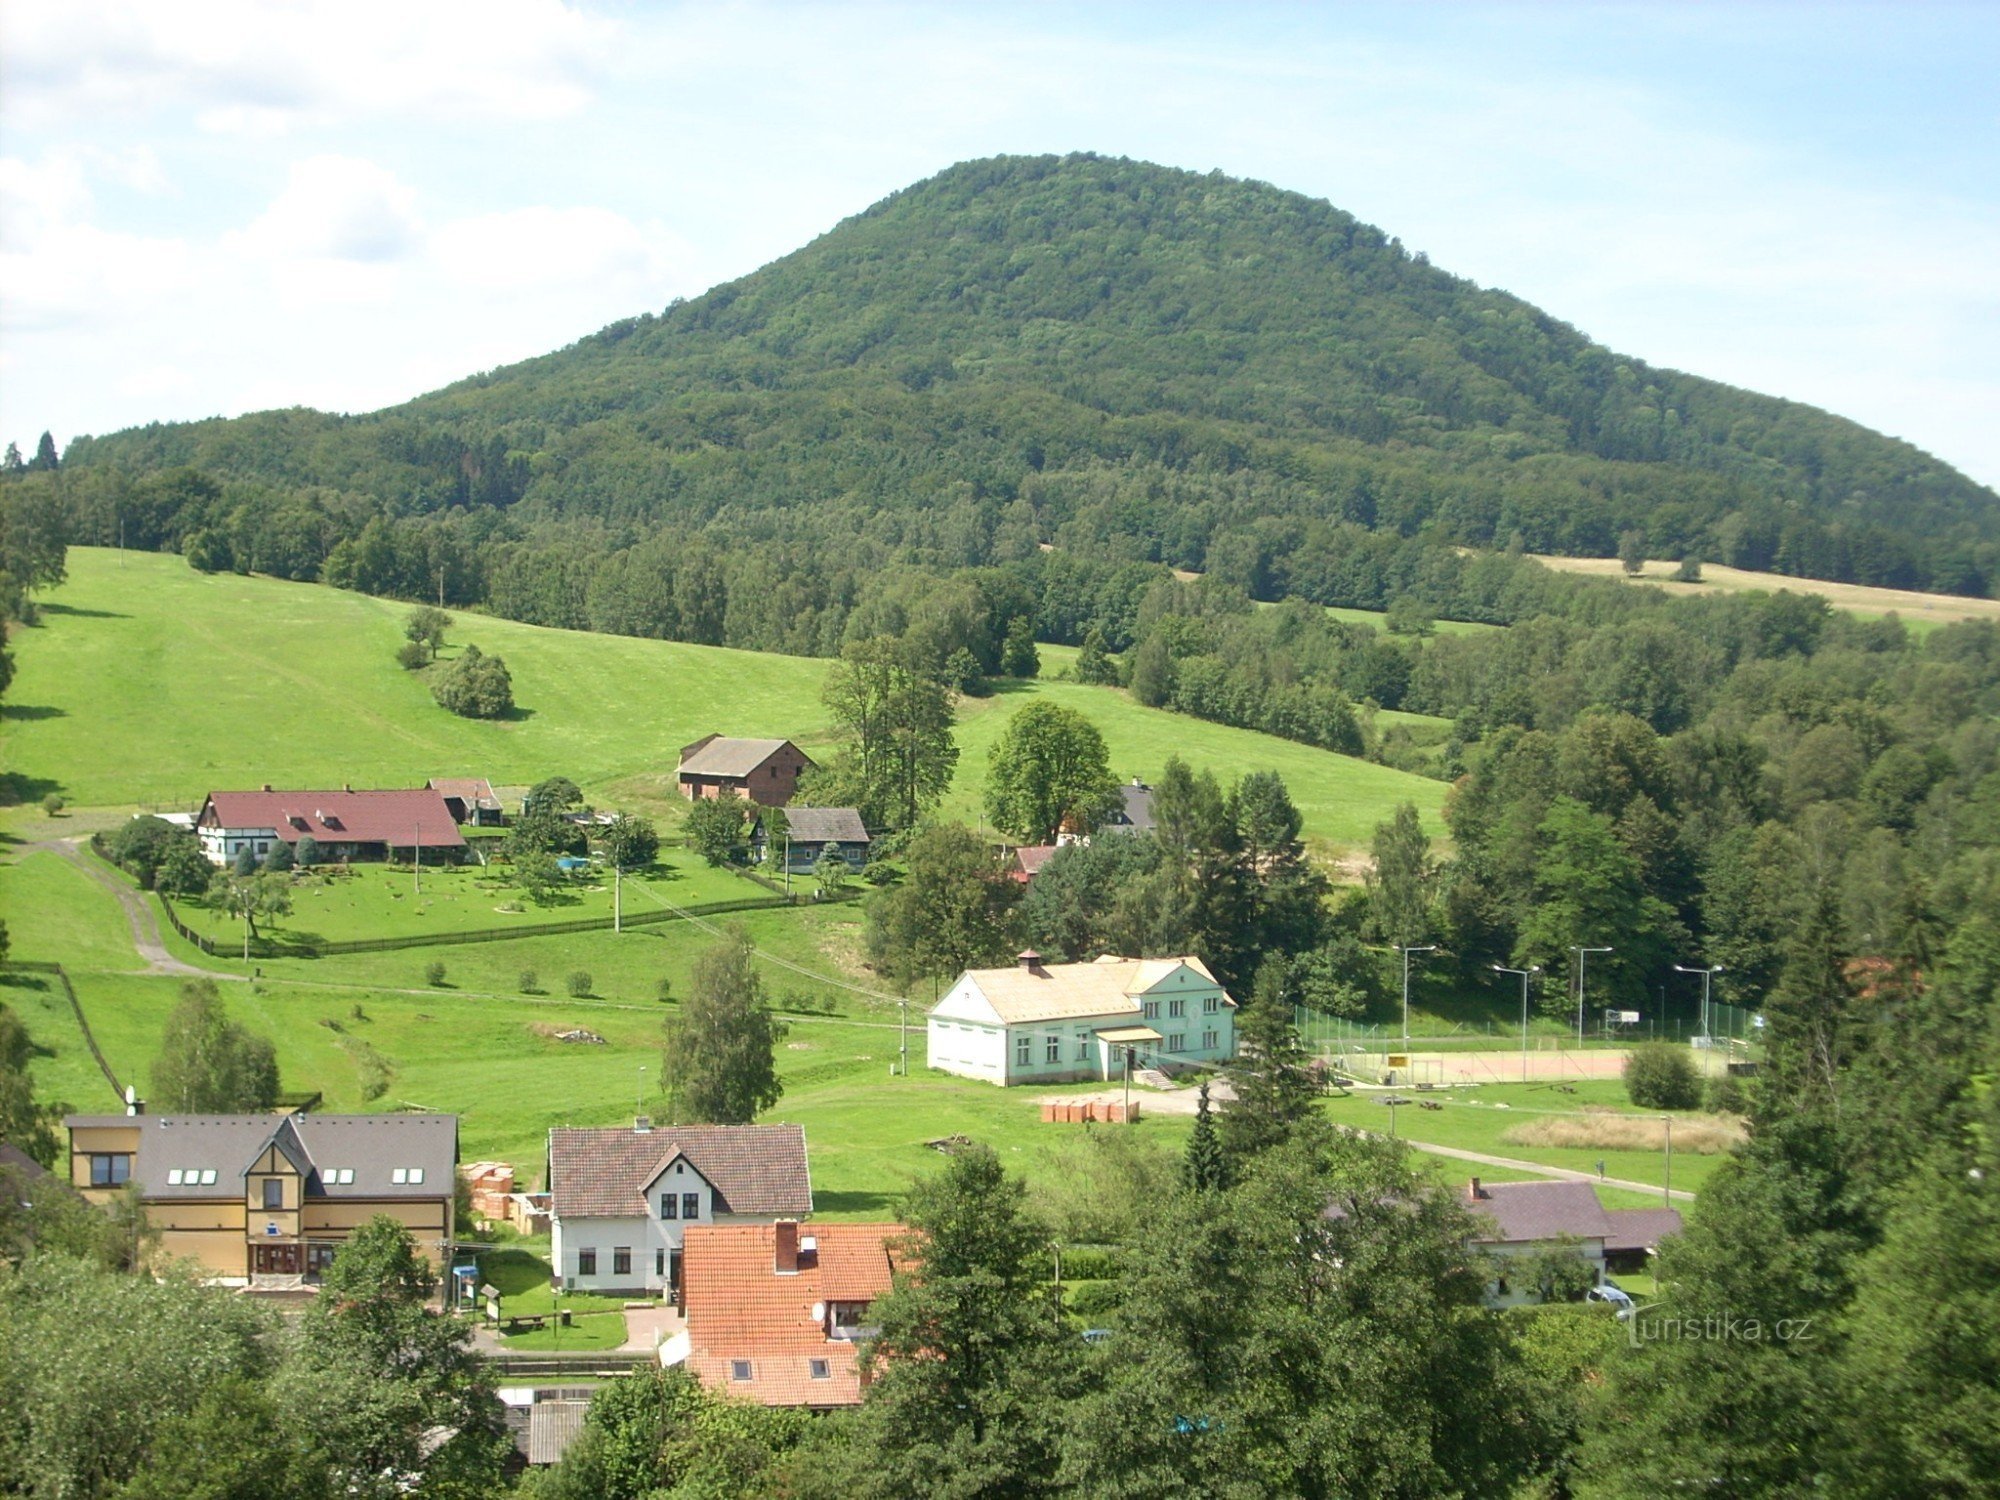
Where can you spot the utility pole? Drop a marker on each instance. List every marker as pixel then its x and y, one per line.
pixel 639 1099
pixel 1667 1186
pixel 1581 955
pixel 903 1036
pixel 1524 973
pixel 1406 952
pixel 617 896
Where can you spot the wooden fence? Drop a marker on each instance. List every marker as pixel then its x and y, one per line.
pixel 24 966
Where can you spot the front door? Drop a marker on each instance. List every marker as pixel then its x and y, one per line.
pixel 276 1260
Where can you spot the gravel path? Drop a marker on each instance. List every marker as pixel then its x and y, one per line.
pixel 138 915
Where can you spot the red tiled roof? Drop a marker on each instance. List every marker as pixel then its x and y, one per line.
pixel 740 1308
pixel 398 818
pixel 1029 860
pixel 754 1169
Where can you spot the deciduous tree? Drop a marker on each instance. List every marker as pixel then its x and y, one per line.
pixel 207 1064
pixel 1049 766
pixel 719 1064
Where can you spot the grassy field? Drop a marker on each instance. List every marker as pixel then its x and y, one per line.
pixel 380 901
pixel 229 681
pixel 1921 612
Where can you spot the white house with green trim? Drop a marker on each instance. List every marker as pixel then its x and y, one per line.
pixel 1058 1023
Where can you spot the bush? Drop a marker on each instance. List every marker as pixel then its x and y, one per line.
pixel 1092 1299
pixel 411 655
pixel 52 804
pixel 280 860
pixel 1727 1096
pixel 1689 571
pixel 476 686
pixel 434 972
pixel 307 854
pixel 531 982
pixel 246 862
pixel 664 990
pixel 1659 1075
pixel 578 983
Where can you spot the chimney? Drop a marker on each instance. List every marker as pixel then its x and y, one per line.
pixel 1030 960
pixel 787 1259
pixel 1472 1192
pixel 642 1124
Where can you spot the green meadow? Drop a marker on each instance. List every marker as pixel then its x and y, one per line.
pixel 148 684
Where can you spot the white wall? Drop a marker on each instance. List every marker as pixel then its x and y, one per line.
pixel 1519 1293
pixel 966 1048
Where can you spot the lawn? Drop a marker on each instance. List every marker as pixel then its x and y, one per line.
pixel 231 681
pixel 378 901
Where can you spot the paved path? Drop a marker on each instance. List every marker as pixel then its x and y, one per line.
pixel 1540 1169
pixel 138 915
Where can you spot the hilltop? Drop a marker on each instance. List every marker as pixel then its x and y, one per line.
pixel 1135 362
pixel 148 684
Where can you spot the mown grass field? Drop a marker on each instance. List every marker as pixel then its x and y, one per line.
pixel 149 684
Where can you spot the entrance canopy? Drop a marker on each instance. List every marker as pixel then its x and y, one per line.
pixel 1129 1034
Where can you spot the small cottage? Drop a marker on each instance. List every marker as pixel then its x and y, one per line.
pixel 766 772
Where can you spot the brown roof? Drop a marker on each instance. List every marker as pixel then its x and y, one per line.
pixel 552 1427
pixel 1527 1212
pixel 719 755
pixel 398 818
pixel 1051 992
pixel 1031 857
pixel 754 1169
pixel 1640 1228
pixel 13 1156
pixel 740 1307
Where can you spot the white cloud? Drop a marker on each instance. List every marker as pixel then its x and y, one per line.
pixel 335 208
pixel 525 248
pixel 252 66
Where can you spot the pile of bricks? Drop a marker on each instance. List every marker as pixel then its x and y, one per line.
pixel 1087 1111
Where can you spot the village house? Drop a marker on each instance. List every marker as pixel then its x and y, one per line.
pixel 766 772
pixel 622 1200
pixel 1028 861
pixel 805 833
pixel 1524 1218
pixel 470 799
pixel 1053 1023
pixel 345 824
pixel 775 1312
pixel 268 1198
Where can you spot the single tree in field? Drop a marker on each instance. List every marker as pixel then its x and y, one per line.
pixel 713 827
pixel 1632 551
pixel 475 686
pixel 1048 766
pixel 1093 661
pixel 1019 658
pixel 894 710
pixel 425 629
pixel 951 914
pixel 830 869
pixel 1402 886
pixel 719 1064
pixel 209 1065
pixel 630 842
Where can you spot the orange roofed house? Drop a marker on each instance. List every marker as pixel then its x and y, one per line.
pixel 775 1311
pixel 766 772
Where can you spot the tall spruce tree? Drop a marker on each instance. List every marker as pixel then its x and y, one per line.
pixel 1205 1168
pixel 1270 1077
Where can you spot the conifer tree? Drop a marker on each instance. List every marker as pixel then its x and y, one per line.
pixel 1205 1169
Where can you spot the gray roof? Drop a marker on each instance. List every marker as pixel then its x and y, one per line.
pixel 825 825
pixel 720 755
pixel 754 1169
pixel 552 1427
pixel 373 1147
pixel 1528 1212
pixel 1640 1228
pixel 1136 815
pixel 13 1156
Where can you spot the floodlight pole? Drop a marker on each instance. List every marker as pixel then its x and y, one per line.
pixel 1582 955
pixel 1524 973
pixel 903 1033
pixel 1707 973
pixel 1406 952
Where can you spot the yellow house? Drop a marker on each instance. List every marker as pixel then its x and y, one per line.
pixel 250 1196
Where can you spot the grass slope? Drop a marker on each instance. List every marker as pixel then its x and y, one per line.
pixel 150 684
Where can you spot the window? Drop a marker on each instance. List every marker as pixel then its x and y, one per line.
pixel 1211 1005
pixel 274 1192
pixel 207 1176
pixel 341 1176
pixel 173 1177
pixel 586 1262
pixel 821 1369
pixel 416 1174
pixel 621 1261
pixel 400 1175
pixel 690 1205
pixel 1152 1010
pixel 739 1369
pixel 1208 1041
pixel 1083 1049
pixel 1177 1008
pixel 668 1204
pixel 1177 1041
pixel 659 1262
pixel 1053 1049
pixel 110 1168
pixel 1021 1045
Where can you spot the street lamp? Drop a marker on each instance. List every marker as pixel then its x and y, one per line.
pixel 1706 974
pixel 1406 952
pixel 1582 955
pixel 1524 973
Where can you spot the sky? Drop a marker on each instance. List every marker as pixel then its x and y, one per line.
pixel 209 207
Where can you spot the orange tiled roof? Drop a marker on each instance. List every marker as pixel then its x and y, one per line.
pixel 740 1308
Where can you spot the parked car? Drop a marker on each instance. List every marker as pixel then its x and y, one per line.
pixel 1617 1296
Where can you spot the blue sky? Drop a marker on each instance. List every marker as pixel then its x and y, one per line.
pixel 221 205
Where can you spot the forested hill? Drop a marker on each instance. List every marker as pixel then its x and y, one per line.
pixel 1142 363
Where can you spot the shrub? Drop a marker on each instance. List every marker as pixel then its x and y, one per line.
pixel 1659 1075
pixel 280 860
pixel 1727 1095
pixel 1092 1299
pixel 434 972
pixel 246 862
pixel 578 983
pixel 1689 571
pixel 52 804
pixel 531 982
pixel 664 990
pixel 411 655
pixel 476 686
pixel 307 854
